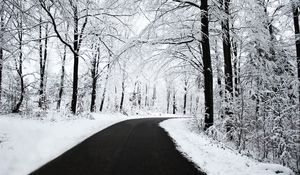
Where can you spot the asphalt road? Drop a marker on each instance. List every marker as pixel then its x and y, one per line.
pixel 132 147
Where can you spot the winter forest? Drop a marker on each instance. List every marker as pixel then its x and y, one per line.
pixel 233 65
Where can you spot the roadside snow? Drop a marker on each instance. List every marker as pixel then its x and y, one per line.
pixel 212 157
pixel 26 144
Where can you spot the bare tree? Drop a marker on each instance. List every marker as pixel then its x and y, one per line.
pixel 295 9
pixel 1 48
pixel 174 104
pixel 123 87
pixel 153 96
pixel 42 63
pixel 185 88
pixel 206 58
pixel 227 56
pixel 77 40
pixel 105 86
pixel 227 47
pixel 62 76
pixel 146 96
pixel 95 75
pixel 168 95
pixel 19 61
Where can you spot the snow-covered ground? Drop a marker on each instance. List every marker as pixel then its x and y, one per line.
pixel 213 157
pixel 26 144
pixel 153 114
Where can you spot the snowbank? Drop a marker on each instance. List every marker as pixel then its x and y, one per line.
pixel 212 157
pixel 26 144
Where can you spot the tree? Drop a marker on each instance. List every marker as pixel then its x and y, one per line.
pixel 185 96
pixel 153 99
pixel 174 104
pixel 62 75
pixel 95 74
pixel 124 77
pixel 4 16
pixel 42 63
pixel 227 55
pixel 295 9
pixel 169 91
pixel 146 96
pixel 206 58
pixel 1 47
pixel 77 39
pixel 186 91
pixel 105 86
pixel 18 24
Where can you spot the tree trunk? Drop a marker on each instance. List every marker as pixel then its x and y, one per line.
pixel 44 80
pixel 123 91
pixel 20 72
pixel 94 73
pixel 227 50
pixel 168 99
pixel 1 67
pixel 1 53
pixel 76 62
pixel 227 58
pixel 236 66
pixel 219 80
pixel 219 72
pixel 297 36
pixel 43 60
pixel 191 104
pixel 116 105
pixel 41 64
pixel 146 96
pixel 122 97
pixel 104 90
pixel 208 77
pixel 16 109
pixel 62 77
pixel 174 103
pixel 93 95
pixel 153 96
pixel 139 95
pixel 94 86
pixel 185 97
pixel 103 97
pixel 269 27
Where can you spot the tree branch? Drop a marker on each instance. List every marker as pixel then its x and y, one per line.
pixel 189 3
pixel 43 5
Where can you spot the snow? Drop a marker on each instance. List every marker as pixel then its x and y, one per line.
pixel 153 114
pixel 26 144
pixel 211 156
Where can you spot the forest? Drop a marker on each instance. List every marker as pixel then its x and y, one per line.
pixel 234 65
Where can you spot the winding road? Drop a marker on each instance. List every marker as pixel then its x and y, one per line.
pixel 132 147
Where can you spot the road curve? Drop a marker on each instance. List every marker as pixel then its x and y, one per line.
pixel 132 147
